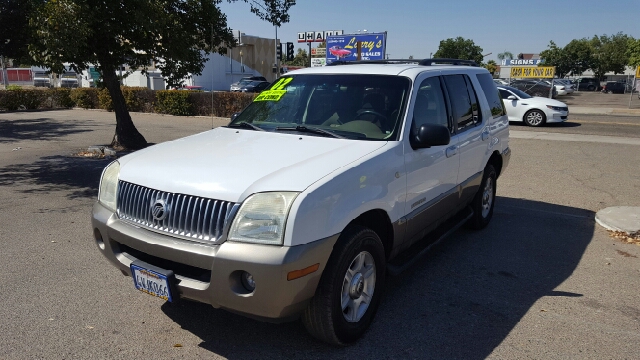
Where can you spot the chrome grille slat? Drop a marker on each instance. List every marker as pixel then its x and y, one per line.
pixel 188 216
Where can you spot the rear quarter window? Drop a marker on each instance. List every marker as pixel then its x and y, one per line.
pixel 491 92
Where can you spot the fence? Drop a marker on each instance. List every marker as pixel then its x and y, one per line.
pixel 18 76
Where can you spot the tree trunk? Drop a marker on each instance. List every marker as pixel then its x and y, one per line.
pixel 127 136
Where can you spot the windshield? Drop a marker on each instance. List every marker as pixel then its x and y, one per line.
pixel 366 107
pixel 521 94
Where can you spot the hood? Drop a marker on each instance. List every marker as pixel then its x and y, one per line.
pixel 544 101
pixel 230 164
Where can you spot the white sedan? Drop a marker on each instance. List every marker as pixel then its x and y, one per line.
pixel 534 111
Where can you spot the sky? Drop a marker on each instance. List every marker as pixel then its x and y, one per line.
pixel 416 27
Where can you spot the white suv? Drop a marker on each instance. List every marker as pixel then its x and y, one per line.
pixel 329 180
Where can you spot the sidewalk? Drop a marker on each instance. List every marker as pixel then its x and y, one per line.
pixel 603 111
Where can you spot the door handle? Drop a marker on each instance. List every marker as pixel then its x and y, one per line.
pixel 452 150
pixel 485 134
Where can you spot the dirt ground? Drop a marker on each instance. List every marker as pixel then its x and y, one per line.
pixel 598 99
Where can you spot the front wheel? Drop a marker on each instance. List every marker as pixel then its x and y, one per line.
pixel 484 200
pixel 350 289
pixel 534 118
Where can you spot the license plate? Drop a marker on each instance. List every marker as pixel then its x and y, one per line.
pixel 152 280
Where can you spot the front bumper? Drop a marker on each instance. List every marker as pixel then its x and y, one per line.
pixel 211 273
pixel 557 116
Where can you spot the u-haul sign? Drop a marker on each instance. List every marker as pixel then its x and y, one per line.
pixel 317 36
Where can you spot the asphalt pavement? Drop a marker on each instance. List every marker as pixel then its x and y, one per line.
pixel 543 281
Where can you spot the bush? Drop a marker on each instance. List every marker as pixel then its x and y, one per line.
pixel 86 98
pixel 137 99
pixel 174 102
pixel 18 98
pixel 224 104
pixel 59 98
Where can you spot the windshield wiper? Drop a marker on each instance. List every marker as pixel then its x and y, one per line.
pixel 314 130
pixel 247 125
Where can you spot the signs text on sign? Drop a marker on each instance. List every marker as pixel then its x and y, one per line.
pixel 317 36
pixel 515 62
pixel 345 47
pixel 538 72
pixel 318 51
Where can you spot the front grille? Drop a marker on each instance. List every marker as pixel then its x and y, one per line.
pixel 187 216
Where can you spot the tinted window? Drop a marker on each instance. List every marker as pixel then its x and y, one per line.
pixel 491 92
pixel 505 94
pixel 430 107
pixel 460 100
pixel 475 105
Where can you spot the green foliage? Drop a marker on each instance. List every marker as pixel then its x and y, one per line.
pixel 508 55
pixel 459 48
pixel 14 87
pixel 491 66
pixel 609 54
pixel 59 98
pixel 301 59
pixel 137 99
pixel 15 99
pixel 556 56
pixel 174 102
pixel 224 104
pixel 633 52
pixel 86 98
pixel 14 32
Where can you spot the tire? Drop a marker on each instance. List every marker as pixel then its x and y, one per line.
pixel 358 248
pixel 535 118
pixel 484 200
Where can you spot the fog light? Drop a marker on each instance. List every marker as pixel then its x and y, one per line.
pixel 247 281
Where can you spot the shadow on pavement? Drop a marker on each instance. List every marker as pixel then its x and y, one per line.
pixel 460 301
pixel 565 124
pixel 39 129
pixel 79 175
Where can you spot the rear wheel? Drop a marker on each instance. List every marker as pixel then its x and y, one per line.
pixel 484 200
pixel 349 292
pixel 534 118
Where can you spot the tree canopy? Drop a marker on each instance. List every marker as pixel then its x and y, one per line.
pixel 459 48
pixel 175 35
pixel 600 54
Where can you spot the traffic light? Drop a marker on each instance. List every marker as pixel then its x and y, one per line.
pixel 279 52
pixel 289 51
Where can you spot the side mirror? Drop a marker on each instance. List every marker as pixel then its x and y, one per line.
pixel 429 135
pixel 511 97
pixel 234 116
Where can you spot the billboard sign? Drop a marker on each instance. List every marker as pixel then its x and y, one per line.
pixel 521 62
pixel 316 62
pixel 317 36
pixel 344 47
pixel 540 72
pixel 318 51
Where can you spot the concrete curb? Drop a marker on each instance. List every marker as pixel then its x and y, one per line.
pixel 583 110
pixel 620 218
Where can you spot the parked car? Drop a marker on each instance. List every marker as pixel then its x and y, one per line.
pixel 534 87
pixel 500 82
pixel 244 81
pixel 588 84
pixel 561 88
pixel 614 87
pixel 569 86
pixel 534 111
pixel 254 86
pixel 331 177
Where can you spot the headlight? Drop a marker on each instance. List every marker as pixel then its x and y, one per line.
pixel 109 185
pixel 556 108
pixel 262 217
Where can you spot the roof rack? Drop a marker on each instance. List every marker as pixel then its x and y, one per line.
pixel 424 62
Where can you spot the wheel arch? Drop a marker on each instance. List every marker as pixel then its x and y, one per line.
pixel 378 221
pixel 496 160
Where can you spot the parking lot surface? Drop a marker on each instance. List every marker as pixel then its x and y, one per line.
pixel 543 281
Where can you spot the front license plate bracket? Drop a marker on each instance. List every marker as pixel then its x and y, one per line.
pixel 154 281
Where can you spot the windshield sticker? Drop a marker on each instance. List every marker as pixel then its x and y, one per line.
pixel 276 92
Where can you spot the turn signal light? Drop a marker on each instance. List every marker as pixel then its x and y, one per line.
pixel 302 272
